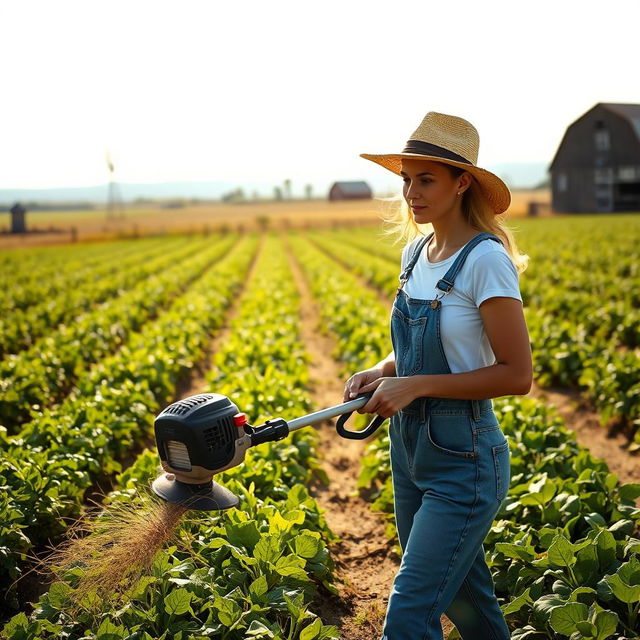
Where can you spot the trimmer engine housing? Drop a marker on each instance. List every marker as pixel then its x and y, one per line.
pixel 205 434
pixel 196 438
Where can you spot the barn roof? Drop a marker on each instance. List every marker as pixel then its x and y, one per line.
pixel 353 186
pixel 630 112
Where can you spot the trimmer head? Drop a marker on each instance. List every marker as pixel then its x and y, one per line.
pixel 205 434
pixel 198 437
pixel 209 496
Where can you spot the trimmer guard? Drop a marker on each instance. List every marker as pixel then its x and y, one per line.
pixel 209 496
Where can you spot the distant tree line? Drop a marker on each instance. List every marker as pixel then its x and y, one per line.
pixel 280 193
pixel 237 195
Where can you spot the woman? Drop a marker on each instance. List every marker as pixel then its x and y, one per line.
pixel 459 339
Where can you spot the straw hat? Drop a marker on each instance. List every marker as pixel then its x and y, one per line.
pixel 454 141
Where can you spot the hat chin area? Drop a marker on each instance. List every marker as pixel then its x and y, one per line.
pixel 493 188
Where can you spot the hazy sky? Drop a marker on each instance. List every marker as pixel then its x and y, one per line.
pixel 262 90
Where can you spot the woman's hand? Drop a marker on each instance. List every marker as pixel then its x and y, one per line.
pixel 353 386
pixel 390 395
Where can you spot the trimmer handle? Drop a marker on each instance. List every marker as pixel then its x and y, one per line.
pixel 363 433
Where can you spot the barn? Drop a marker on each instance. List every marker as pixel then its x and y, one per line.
pixel 597 165
pixel 353 190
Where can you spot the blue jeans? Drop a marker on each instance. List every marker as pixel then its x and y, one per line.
pixel 450 473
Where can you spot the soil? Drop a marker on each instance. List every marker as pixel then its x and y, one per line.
pixel 195 380
pixel 604 443
pixel 365 561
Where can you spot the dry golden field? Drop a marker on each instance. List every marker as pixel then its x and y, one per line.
pixel 57 227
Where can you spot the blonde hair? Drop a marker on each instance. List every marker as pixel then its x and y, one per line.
pixel 400 222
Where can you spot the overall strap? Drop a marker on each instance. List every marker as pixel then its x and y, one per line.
pixel 446 283
pixel 404 276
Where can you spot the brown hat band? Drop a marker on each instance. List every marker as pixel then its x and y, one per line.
pixel 428 149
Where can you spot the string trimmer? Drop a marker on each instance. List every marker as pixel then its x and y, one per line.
pixel 197 437
pixel 205 434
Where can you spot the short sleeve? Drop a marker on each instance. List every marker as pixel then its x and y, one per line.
pixel 494 275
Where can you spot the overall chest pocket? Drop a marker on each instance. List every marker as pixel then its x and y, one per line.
pixel 407 337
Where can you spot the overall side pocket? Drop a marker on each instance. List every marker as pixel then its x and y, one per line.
pixel 501 461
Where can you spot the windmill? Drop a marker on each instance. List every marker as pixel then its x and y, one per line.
pixel 115 209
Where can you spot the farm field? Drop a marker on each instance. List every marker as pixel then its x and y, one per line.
pixel 96 338
pixel 140 219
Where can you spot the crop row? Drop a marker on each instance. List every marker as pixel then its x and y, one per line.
pixel 74 293
pixel 582 292
pixel 251 571
pixel 562 550
pixel 46 467
pixel 372 240
pixel 28 277
pixel 39 377
pixel 378 270
pixel 349 311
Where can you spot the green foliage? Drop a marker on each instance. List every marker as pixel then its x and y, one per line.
pixel 250 572
pixel 563 550
pixel 350 313
pixel 46 290
pixel 48 465
pixel 45 373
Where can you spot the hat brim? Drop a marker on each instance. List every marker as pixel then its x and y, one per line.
pixel 493 188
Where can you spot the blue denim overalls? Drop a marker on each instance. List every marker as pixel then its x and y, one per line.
pixel 451 470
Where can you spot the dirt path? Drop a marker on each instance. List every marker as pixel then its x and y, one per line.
pixel 364 558
pixel 195 381
pixel 366 564
pixel 610 447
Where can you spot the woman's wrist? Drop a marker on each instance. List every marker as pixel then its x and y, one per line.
pixel 418 386
pixel 387 369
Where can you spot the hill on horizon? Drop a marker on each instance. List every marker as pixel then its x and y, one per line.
pixel 523 175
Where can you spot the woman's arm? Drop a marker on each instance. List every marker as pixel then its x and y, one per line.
pixel 388 366
pixel 512 373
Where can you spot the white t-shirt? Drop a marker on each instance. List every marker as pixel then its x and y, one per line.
pixel 487 272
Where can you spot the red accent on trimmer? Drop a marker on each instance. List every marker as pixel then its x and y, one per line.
pixel 240 419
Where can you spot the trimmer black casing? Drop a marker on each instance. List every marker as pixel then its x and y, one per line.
pixel 205 424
